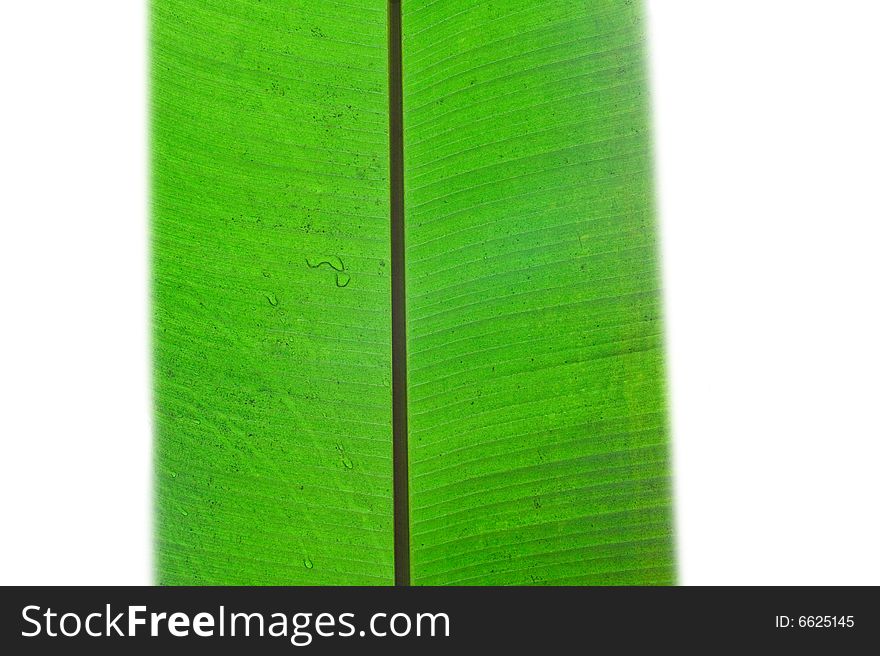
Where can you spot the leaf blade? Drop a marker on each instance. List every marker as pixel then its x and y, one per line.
pixel 537 410
pixel 272 318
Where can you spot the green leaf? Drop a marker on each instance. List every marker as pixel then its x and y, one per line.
pixel 272 293
pixel 538 445
pixel 537 429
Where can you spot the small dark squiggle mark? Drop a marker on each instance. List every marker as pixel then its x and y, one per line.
pixel 335 263
pixel 346 461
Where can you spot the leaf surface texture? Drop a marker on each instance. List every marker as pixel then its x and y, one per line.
pixel 272 293
pixel 536 405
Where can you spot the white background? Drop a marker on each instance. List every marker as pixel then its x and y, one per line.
pixel 767 116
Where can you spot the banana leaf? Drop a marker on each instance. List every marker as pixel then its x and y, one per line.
pixel 537 442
